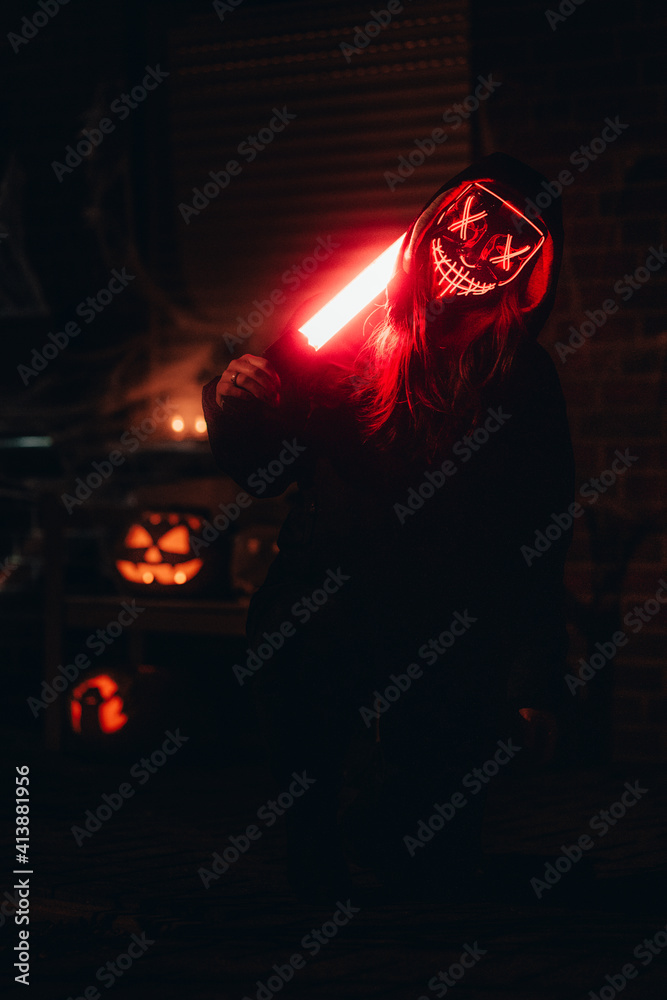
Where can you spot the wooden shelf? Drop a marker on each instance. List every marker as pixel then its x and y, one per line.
pixel 179 616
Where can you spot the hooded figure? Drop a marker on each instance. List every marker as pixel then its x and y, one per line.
pixel 418 588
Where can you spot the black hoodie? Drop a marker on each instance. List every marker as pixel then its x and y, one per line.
pixel 421 544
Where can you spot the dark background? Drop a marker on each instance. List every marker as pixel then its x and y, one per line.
pixel 323 177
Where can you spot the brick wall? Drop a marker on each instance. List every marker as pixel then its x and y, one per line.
pixel 563 75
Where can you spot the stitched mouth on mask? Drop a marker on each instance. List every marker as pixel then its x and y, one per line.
pixel 455 278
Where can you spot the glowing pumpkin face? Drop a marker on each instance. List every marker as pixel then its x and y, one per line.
pixel 475 245
pixel 97 707
pixel 156 551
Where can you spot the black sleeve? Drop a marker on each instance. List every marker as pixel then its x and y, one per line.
pixel 262 448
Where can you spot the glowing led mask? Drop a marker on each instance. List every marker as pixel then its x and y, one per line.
pixel 475 246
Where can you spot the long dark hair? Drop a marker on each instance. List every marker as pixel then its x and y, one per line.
pixel 423 373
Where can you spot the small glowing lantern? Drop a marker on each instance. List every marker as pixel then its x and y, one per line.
pixel 97 707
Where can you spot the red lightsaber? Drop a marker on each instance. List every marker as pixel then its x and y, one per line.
pixel 293 353
pixel 345 305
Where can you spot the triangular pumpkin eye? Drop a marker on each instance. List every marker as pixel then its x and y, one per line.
pixel 177 540
pixel 138 538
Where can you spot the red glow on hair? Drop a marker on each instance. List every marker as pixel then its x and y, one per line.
pixel 452 324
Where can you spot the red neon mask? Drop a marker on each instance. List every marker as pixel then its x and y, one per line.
pixel 475 246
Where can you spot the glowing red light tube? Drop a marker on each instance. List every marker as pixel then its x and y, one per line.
pixel 345 305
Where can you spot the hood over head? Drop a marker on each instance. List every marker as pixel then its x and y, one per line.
pixel 510 198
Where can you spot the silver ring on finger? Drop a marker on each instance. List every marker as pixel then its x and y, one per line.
pixel 234 378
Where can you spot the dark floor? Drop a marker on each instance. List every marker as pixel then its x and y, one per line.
pixel 138 874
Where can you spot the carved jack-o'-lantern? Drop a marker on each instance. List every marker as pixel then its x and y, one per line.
pixel 96 707
pixel 156 553
pixel 122 709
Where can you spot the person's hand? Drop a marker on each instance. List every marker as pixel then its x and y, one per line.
pixel 249 375
pixel 539 732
